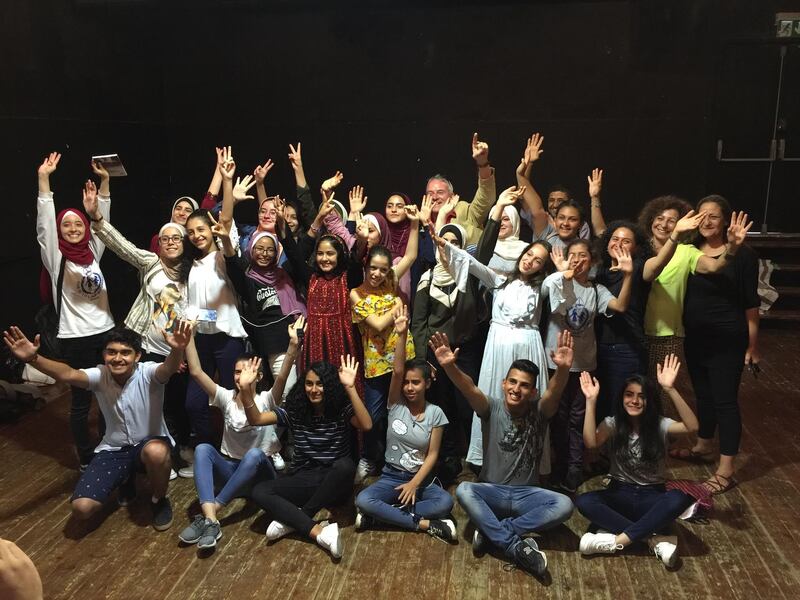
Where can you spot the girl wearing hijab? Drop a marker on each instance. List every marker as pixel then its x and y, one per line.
pixel 83 315
pixel 509 247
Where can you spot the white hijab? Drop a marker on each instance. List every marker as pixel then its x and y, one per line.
pixel 511 248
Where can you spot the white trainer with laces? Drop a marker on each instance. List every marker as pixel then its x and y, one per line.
pixel 364 469
pixel 599 543
pixel 277 530
pixel 277 461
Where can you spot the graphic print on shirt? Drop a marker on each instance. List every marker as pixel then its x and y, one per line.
pixel 411 460
pixel 524 438
pixel 167 299
pixel 90 284
pixel 268 297
pixel 578 316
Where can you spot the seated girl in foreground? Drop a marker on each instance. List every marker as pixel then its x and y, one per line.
pixel 245 448
pixel 636 504
pixel 413 440
pixel 320 411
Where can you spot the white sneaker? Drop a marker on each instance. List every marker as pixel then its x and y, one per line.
pixel 667 553
pixel 172 475
pixel 277 461
pixel 330 540
pixel 277 530
pixel 599 543
pixel 186 472
pixel 364 469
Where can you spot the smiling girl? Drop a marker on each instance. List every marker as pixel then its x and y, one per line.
pixel 71 254
pixel 636 504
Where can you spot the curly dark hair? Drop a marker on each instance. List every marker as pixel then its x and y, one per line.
pixel 643 248
pixel 122 335
pixel 387 254
pixel 656 206
pixel 334 396
pixel 650 442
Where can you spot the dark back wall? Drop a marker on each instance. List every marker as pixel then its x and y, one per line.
pixel 389 95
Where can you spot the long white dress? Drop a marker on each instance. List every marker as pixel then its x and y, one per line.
pixel 513 334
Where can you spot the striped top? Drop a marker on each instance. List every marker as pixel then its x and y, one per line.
pixel 321 442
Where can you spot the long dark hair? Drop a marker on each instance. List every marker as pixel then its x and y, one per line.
pixel 650 442
pixel 537 278
pixel 643 248
pixel 341 255
pixel 387 254
pixel 190 251
pixel 334 396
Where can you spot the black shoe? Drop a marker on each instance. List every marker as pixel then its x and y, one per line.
pixel 479 544
pixel 442 529
pixel 363 521
pixel 529 558
pixel 127 492
pixel 162 514
pixel 571 482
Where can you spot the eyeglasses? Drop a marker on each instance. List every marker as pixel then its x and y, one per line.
pixel 175 239
pixel 259 250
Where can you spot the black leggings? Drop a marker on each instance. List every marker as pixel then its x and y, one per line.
pixel 295 499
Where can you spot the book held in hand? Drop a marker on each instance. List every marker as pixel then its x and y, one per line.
pixel 112 164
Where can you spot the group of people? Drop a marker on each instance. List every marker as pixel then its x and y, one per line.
pixel 398 343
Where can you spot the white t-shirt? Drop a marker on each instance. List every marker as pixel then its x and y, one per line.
pixel 210 289
pixel 238 436
pixel 84 300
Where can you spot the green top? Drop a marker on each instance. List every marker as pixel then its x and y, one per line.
pixel 664 313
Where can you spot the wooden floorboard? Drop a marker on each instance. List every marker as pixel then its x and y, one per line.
pixel 748 548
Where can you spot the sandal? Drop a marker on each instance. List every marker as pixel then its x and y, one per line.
pixel 719 484
pixel 690 455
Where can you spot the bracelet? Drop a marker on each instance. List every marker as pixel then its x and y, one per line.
pixel 314 229
pixel 96 220
pixel 596 204
pixel 251 405
pixel 33 359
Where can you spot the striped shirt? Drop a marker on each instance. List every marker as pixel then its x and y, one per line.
pixel 320 441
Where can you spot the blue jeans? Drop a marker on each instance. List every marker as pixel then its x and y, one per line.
pixel 504 513
pixel 377 500
pixel 236 476
pixel 615 363
pixel 376 391
pixel 635 510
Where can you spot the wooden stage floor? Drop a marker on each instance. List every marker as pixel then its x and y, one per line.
pixel 749 549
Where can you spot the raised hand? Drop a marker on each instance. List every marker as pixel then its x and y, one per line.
pixel 348 371
pixel 333 181
pixel 250 373
pixel 440 345
pixel 624 260
pixel 242 186
pixel 534 148
pixel 425 209
pixel 439 241
pixel 295 328
pixel 218 228
pixel 180 336
pixel 325 209
pixel 21 347
pixel 590 387
pixel 510 195
pixel 480 151
pixel 667 373
pixel 737 230
pixel 400 319
pixel 280 205
pixel 595 183
pixel 296 157
pixel 90 199
pixel 260 172
pixel 99 170
pixel 225 162
pixel 449 206
pixel 49 164
pixel 362 228
pixel 557 256
pixel 412 213
pixel 358 201
pixel 562 356
pixel 689 222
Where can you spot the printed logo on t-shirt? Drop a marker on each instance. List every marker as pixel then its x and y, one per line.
pixel 399 427
pixel 578 316
pixel 167 300
pixel 412 460
pixel 268 297
pixel 90 284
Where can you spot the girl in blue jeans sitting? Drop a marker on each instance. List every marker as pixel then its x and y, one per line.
pixel 403 495
pixel 636 504
pixel 245 448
